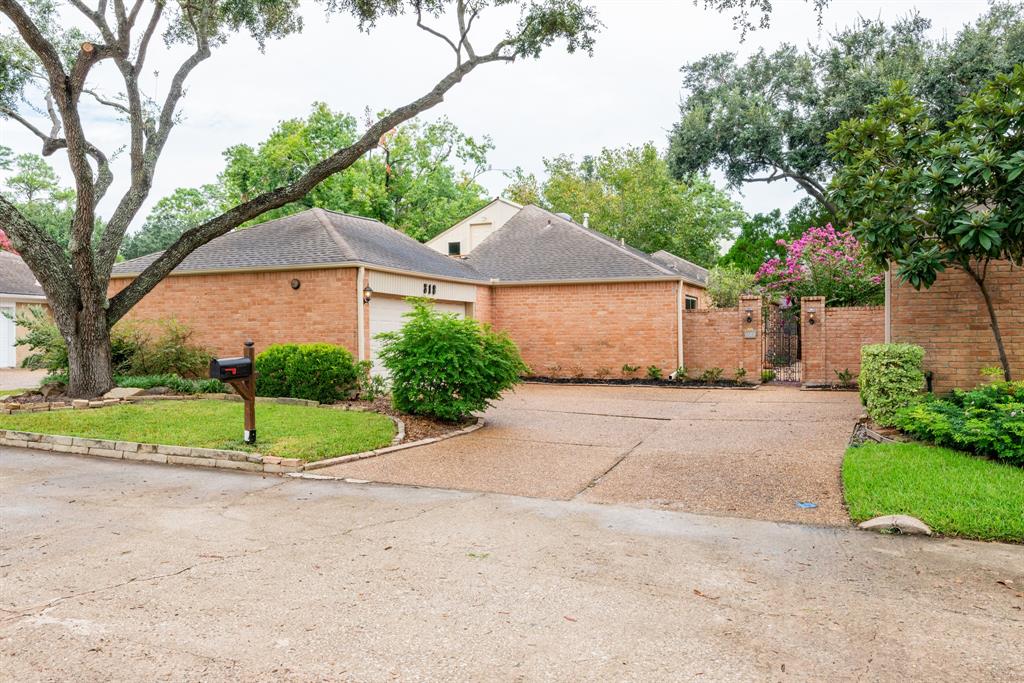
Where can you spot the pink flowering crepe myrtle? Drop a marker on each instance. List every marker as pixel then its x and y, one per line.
pixel 822 262
pixel 5 243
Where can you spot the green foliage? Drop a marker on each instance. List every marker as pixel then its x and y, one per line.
pixel 890 378
pixel 767 118
pixel 681 374
pixel 954 493
pixel 767 376
pixel 448 367
pixel 845 377
pixel 988 420
pixel 371 386
pixel 739 374
pixel 419 179
pixel 629 370
pixel 726 284
pixel 315 372
pixel 629 194
pixel 35 191
pixel 711 375
pixel 759 237
pixel 653 372
pixel 47 350
pixel 183 209
pixel 175 383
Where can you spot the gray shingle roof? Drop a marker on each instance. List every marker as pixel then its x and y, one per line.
pixel 311 238
pixel 537 245
pixel 691 271
pixel 15 276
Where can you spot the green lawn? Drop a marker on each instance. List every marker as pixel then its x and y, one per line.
pixel 282 430
pixel 956 494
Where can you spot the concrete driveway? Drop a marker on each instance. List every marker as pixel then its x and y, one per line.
pixel 120 571
pixel 747 453
pixel 16 378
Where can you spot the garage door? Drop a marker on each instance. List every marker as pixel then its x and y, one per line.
pixel 386 316
pixel 7 358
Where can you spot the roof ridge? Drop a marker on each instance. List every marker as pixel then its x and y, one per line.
pixel 347 252
pixel 695 265
pixel 610 241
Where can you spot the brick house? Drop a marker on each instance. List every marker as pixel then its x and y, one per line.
pixel 569 296
pixel 18 290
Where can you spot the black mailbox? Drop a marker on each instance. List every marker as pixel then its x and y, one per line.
pixel 227 369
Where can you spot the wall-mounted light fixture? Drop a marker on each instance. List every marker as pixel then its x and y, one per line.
pixel 750 315
pixel 296 283
pixel 367 294
pixel 810 316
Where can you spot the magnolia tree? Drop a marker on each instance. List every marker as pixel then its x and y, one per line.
pixel 52 57
pixel 822 262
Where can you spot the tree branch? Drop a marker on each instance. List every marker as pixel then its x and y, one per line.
pixel 41 252
pixel 434 32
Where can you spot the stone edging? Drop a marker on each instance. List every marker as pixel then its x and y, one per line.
pixel 319 464
pixel 147 452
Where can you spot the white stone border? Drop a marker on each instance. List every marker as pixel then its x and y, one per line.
pixel 320 464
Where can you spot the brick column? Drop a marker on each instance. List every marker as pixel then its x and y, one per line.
pixel 750 332
pixel 812 341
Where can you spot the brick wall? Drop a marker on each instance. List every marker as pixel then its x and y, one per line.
pixel 583 328
pixel 225 309
pixel 483 307
pixel 721 338
pixel 832 344
pixel 950 320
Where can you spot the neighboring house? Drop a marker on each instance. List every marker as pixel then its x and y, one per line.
pixel 18 290
pixel 471 231
pixel 571 298
pixel 696 277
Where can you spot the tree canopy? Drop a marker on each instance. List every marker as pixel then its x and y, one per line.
pixel 629 193
pixel 926 196
pixel 766 119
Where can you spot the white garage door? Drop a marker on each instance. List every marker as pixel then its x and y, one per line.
pixel 7 357
pixel 386 316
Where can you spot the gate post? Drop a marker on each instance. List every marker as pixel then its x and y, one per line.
pixel 812 340
pixel 750 347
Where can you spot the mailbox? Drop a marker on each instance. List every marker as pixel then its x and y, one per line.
pixel 227 369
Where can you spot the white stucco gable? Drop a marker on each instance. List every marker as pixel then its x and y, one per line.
pixel 474 229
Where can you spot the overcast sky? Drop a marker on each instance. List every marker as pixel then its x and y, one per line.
pixel 627 93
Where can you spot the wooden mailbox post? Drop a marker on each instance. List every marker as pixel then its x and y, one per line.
pixel 240 374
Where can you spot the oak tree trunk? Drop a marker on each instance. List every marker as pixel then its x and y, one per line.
pixel 90 372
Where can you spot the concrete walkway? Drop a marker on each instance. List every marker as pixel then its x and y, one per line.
pixel 115 571
pixel 748 453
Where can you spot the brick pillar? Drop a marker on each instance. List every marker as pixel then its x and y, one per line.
pixel 812 340
pixel 750 348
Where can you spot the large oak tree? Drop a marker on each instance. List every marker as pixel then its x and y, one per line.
pixel 46 56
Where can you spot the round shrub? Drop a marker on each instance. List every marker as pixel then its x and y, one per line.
pixel 315 372
pixel 448 367
pixel 890 378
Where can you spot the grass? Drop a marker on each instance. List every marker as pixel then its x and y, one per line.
pixel 12 392
pixel 954 493
pixel 283 430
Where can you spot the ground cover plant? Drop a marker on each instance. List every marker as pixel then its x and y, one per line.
pixel 988 421
pixel 954 493
pixel 284 430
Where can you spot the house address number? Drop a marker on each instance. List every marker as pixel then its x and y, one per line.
pixel 429 289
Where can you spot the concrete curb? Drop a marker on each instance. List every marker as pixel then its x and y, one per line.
pixel 320 464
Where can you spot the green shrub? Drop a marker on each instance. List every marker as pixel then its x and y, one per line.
pixel 890 378
pixel 988 420
pixel 739 374
pixel 629 370
pixel 681 374
pixel 151 347
pixel 315 372
pixel 447 367
pixel 653 372
pixel 767 376
pixel 711 375
pixel 172 382
pixel 845 377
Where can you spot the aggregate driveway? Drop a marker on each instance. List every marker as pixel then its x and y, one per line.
pixel 16 378
pixel 123 571
pixel 746 453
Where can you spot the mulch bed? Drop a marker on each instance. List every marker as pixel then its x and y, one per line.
pixel 416 426
pixel 643 382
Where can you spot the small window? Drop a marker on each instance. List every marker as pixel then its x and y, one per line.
pixel 454 248
pixel 691 303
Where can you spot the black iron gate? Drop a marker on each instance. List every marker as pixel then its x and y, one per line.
pixel 781 342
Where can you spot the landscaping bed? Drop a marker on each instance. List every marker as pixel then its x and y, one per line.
pixel 955 493
pixel 287 431
pixel 642 382
pixel 416 426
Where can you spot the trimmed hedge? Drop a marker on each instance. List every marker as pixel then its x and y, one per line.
pixel 315 372
pixel 890 378
pixel 448 367
pixel 988 420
